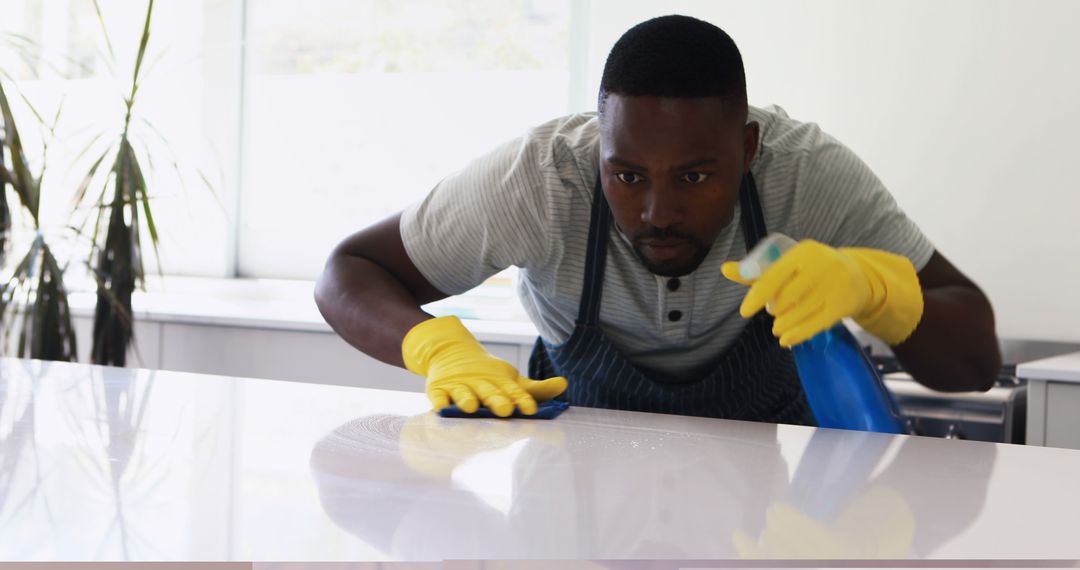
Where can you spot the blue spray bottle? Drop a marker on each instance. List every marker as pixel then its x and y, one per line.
pixel 841 384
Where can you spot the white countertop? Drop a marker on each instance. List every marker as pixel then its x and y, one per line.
pixel 1064 368
pixel 112 464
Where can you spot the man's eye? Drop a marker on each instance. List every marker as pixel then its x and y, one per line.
pixel 695 177
pixel 628 177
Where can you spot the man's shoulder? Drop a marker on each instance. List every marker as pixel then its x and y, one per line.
pixel 788 152
pixel 571 127
pixel 557 157
pixel 571 138
pixel 783 138
pixel 564 153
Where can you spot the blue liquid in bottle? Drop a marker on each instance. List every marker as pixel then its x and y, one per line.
pixel 842 385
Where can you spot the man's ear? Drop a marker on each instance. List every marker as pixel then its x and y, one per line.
pixel 750 144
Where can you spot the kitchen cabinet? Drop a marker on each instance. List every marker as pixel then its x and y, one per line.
pixel 303 354
pixel 1053 400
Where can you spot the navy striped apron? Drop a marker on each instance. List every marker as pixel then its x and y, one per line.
pixel 754 379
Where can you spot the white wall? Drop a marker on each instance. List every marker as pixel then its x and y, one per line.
pixel 967 109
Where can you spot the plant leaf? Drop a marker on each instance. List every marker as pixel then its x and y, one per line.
pixel 25 186
pixel 144 198
pixel 104 30
pixel 142 52
pixel 80 192
pixel 60 331
pixel 176 166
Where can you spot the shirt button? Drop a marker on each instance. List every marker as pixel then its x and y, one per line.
pixel 673 284
pixel 674 315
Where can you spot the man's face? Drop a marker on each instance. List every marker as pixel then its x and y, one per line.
pixel 671 170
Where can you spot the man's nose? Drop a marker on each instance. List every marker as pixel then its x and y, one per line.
pixel 663 208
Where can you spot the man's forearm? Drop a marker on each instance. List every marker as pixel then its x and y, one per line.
pixel 367 306
pixel 955 347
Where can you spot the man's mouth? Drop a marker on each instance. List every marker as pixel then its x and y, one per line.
pixel 663 243
pixel 664 247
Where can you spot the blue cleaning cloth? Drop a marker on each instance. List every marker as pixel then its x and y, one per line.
pixel 548 410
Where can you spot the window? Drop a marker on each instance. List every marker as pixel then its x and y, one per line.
pixel 54 54
pixel 355 109
pixel 311 120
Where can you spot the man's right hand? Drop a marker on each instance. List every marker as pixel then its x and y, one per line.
pixel 459 370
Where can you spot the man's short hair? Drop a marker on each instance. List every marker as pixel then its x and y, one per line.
pixel 675 56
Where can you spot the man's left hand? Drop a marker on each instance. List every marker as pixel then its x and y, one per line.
pixel 813 286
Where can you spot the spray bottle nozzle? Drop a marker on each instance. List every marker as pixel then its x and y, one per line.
pixel 764 254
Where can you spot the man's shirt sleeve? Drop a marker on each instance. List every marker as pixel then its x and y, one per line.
pixel 489 216
pixel 841 202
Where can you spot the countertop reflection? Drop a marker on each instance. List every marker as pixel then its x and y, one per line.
pixel 116 464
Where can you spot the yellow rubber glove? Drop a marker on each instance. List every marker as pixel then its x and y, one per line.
pixel 459 369
pixel 813 286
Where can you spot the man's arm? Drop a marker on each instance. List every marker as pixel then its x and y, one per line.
pixel 370 292
pixel 954 348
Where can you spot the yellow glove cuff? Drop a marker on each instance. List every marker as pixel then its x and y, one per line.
pixel 431 337
pixel 895 306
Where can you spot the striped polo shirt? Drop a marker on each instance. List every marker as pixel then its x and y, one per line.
pixel 527 204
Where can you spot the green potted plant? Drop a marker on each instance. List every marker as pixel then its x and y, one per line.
pixel 114 202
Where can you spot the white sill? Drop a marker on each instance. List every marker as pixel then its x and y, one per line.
pixel 289 305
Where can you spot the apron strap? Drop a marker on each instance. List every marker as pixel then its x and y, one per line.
pixel 595 258
pixel 753 216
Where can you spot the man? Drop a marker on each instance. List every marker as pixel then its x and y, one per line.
pixel 621 222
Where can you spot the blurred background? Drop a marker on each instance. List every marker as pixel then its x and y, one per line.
pixel 277 128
